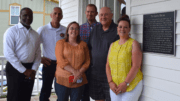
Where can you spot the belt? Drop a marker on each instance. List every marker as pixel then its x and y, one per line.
pixel 53 61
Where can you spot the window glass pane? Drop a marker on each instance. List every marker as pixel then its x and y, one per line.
pixel 12 10
pixel 17 11
pixel 14 19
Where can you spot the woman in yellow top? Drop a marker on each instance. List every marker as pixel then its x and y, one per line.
pixel 123 65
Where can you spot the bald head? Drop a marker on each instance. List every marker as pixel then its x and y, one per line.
pixel 56 8
pixel 107 9
pixel 105 16
pixel 56 14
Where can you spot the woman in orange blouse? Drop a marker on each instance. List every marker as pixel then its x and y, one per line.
pixel 72 60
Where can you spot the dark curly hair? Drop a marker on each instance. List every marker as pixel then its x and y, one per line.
pixel 125 18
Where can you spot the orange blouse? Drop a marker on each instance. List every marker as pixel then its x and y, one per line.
pixel 76 56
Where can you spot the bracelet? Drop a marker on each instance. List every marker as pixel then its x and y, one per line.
pixel 127 84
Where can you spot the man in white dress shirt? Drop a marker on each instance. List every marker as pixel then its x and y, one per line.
pixel 22 51
pixel 49 35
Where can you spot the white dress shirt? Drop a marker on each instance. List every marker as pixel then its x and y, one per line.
pixel 22 45
pixel 49 36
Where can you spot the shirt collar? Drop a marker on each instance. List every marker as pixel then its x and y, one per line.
pixel 21 26
pixel 110 27
pixel 50 27
pixel 94 23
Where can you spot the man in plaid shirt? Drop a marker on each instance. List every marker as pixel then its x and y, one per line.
pixel 85 29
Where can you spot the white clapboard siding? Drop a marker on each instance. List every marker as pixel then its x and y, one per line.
pixel 178 39
pixel 143 98
pixel 162 85
pixel 161 60
pixel 63 2
pixel 65 24
pixel 66 15
pixel 161 71
pixel 70 10
pixel 178 16
pixel 69 19
pixel 178 52
pixel 178 27
pixel 137 37
pixel 137 19
pixel 136 29
pixel 141 2
pixel 68 5
pixel 166 74
pixel 159 95
pixel 165 6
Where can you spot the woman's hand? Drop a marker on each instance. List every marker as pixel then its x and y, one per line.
pixel 77 75
pixel 113 86
pixel 121 88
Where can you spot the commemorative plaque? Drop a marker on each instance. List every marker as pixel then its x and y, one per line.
pixel 159 33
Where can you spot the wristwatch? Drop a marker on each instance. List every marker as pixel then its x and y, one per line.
pixel 127 84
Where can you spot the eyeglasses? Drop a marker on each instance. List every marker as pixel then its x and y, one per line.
pixel 106 14
pixel 71 28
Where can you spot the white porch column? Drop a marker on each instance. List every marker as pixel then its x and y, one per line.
pixel 115 11
pixel 128 5
pixel 81 11
pixel 98 5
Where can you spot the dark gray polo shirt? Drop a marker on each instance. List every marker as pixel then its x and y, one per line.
pixel 99 43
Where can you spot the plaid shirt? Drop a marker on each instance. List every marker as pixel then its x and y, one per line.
pixel 85 30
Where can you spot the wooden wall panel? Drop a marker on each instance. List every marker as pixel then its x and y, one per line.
pixel 70 10
pixel 161 60
pixel 169 5
pixel 178 51
pixel 66 15
pixel 143 98
pixel 161 71
pixel 136 29
pixel 166 74
pixel 142 2
pixel 69 19
pixel 159 95
pixel 66 1
pixel 69 5
pixel 137 19
pixel 178 28
pixel 137 37
pixel 163 85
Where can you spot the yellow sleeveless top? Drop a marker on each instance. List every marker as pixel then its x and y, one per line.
pixel 120 63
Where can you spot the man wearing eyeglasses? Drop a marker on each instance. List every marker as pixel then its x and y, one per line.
pixel 101 37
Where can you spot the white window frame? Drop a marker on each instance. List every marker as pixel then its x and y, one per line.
pixel 10 15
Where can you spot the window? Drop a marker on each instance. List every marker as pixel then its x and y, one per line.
pixel 14 13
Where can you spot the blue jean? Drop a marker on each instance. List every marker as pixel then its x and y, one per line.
pixel 47 79
pixel 85 95
pixel 63 92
